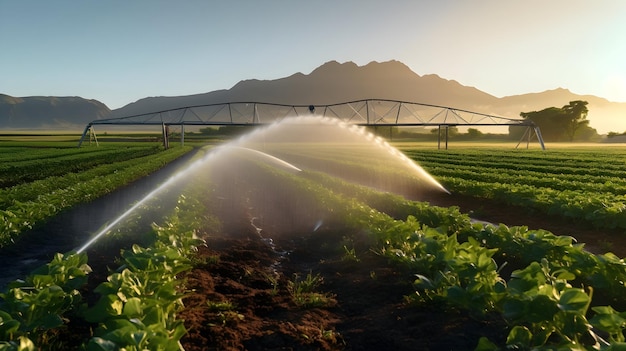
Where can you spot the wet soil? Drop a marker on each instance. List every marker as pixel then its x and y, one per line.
pixel 363 297
pixel 240 299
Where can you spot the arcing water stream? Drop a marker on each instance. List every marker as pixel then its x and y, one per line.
pixel 316 144
pixel 310 143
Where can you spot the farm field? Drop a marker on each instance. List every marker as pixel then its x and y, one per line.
pixel 578 187
pixel 309 260
pixel 39 180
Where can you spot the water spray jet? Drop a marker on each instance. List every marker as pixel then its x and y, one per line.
pixel 272 159
pixel 317 144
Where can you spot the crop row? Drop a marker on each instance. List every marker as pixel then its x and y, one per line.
pixel 587 182
pixel 572 157
pixel 137 305
pixel 551 293
pixel 542 297
pixel 17 172
pixel 21 154
pixel 546 297
pixel 57 194
pixel 512 163
pixel 595 194
pixel 41 302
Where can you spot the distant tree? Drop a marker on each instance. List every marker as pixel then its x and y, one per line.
pixel 576 117
pixel 473 133
pixel 614 134
pixel 452 131
pixel 224 130
pixel 559 124
pixel 549 120
pixel 586 133
pixel 208 130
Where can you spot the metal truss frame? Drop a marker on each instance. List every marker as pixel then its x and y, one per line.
pixel 368 112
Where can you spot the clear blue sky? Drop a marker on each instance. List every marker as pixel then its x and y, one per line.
pixel 120 51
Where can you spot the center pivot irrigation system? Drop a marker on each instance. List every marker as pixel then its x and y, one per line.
pixel 370 112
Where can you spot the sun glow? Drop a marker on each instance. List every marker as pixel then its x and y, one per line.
pixel 615 87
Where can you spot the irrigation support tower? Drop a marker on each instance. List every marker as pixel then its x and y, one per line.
pixel 368 112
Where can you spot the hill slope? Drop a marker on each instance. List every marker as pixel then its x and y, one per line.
pixel 49 112
pixel 335 82
pixel 332 82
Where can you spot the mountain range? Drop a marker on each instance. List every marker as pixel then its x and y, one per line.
pixel 332 82
pixel 46 112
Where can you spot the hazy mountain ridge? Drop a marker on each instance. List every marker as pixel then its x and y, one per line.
pixel 335 82
pixel 49 112
pixel 330 83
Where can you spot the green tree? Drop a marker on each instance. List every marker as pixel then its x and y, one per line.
pixel 575 117
pixel 549 120
pixel 473 133
pixel 561 124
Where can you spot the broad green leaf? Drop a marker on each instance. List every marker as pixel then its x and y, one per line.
pixel 574 300
pixel 607 319
pixel 107 305
pixel 100 344
pixel 520 336
pixel 153 315
pixel 541 308
pixel 572 324
pixel 8 325
pixel 133 308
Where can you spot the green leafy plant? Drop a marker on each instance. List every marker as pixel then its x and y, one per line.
pixel 30 307
pixel 303 292
pixel 350 254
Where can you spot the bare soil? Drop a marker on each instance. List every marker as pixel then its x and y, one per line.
pixel 251 274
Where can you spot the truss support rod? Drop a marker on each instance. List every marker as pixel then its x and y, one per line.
pixel 539 137
pixel 92 134
pixel 255 115
pixel 398 114
pixel 526 131
pixel 166 143
pixel 87 128
pixel 439 137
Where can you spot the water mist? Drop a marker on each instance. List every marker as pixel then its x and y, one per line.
pixel 230 172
